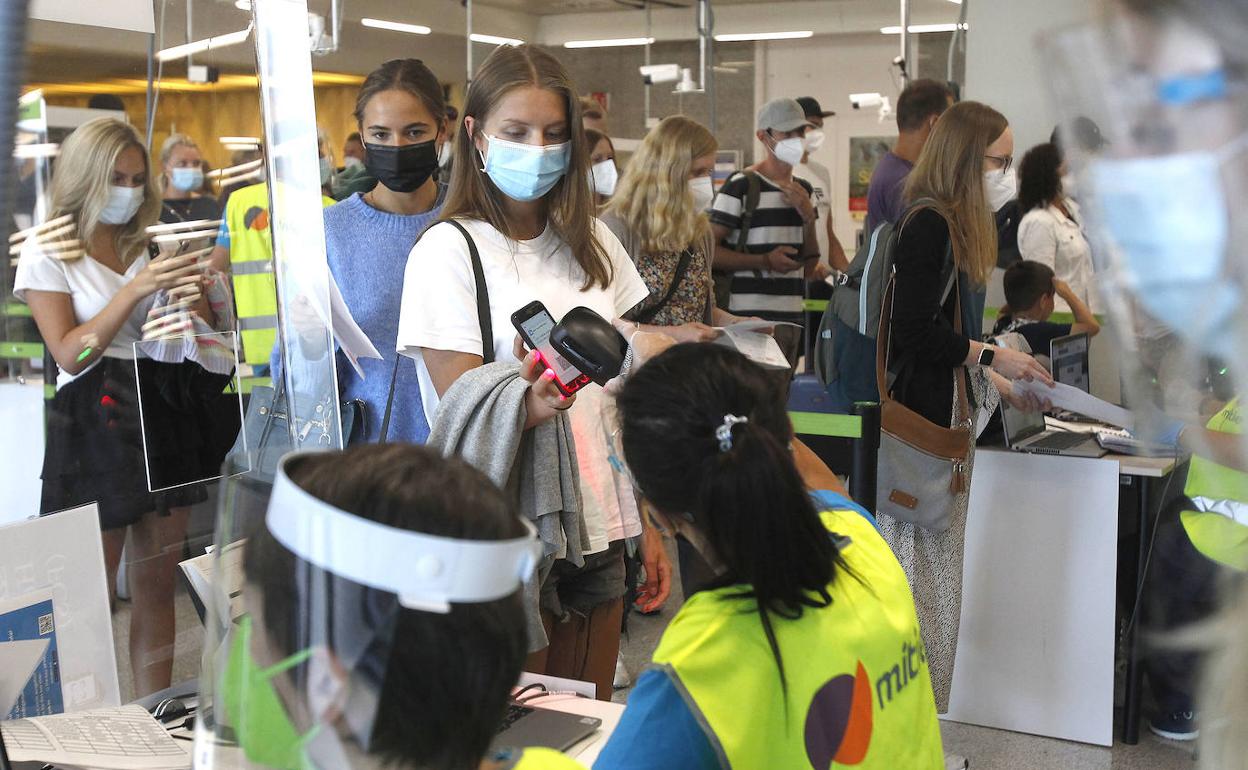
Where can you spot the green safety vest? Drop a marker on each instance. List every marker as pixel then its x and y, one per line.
pixel 545 759
pixel 1218 527
pixel 859 691
pixel 251 269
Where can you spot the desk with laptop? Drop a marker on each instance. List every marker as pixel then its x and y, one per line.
pixel 1039 623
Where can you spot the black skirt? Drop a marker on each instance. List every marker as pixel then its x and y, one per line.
pixel 99 450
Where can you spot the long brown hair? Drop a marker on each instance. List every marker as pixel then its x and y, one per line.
pixel 570 204
pixel 950 171
pixel 653 196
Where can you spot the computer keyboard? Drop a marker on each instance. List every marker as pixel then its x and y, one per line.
pixel 514 712
pixel 1059 440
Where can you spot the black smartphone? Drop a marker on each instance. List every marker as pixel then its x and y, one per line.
pixel 534 322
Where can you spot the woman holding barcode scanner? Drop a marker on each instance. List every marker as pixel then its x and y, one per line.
pixel 90 286
pixel 520 207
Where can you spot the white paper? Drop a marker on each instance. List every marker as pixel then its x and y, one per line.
pixel 756 325
pixel 200 573
pixel 123 738
pixel 17 662
pixel 759 348
pixel 351 338
pixel 1068 397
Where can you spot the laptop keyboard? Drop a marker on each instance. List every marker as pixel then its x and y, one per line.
pixel 1058 440
pixel 514 712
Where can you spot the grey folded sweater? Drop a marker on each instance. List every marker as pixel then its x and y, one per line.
pixel 481 419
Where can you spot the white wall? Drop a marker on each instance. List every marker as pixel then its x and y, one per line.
pixel 830 68
pixel 1002 67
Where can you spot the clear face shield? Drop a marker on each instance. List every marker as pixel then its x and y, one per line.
pixel 1163 186
pixel 307 606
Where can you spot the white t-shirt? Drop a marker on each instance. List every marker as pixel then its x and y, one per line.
pixel 821 183
pixel 1046 235
pixel 90 286
pixel 439 312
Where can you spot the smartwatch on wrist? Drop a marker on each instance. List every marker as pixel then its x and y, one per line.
pixel 986 354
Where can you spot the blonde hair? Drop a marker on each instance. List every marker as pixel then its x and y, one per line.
pixel 166 152
pixel 570 204
pixel 84 177
pixel 950 171
pixel 653 198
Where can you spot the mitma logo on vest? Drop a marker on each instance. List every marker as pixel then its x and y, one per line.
pixel 840 720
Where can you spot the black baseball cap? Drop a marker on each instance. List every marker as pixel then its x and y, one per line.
pixel 810 105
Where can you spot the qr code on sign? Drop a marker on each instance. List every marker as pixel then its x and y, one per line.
pixel 45 624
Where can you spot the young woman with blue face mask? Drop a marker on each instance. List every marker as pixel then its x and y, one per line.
pixel 90 304
pixel 520 188
pixel 181 180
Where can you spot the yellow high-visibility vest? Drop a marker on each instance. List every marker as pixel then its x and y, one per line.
pixel 859 693
pixel 1218 527
pixel 251 270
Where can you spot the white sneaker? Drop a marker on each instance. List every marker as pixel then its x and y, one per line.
pixel 622 679
pixel 956 762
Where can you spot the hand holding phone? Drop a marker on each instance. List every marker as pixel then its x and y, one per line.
pixel 534 323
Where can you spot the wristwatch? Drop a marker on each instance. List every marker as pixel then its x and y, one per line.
pixel 986 354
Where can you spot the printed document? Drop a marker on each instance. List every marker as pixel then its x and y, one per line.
pixel 121 738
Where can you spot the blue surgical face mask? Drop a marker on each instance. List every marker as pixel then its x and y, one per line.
pixel 1168 216
pixel 123 203
pixel 186 179
pixel 525 172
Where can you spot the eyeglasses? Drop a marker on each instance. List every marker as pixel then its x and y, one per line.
pixel 1005 160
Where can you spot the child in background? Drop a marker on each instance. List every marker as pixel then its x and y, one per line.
pixel 1030 288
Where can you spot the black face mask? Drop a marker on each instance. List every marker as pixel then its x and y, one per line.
pixel 402 168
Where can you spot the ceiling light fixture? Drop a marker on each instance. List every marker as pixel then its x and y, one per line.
pixel 743 36
pixel 395 26
pixel 494 39
pixel 207 44
pixel 243 5
pixel 920 28
pixel 608 43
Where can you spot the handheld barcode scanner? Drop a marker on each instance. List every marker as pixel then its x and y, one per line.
pixel 590 343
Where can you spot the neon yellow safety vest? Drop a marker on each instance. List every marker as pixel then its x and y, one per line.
pixel 1218 528
pixel 251 269
pixel 545 759
pixel 859 690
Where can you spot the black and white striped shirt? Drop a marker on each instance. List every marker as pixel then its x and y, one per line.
pixel 775 296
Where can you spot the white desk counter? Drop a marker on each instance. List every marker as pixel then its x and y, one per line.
pixel 1036 650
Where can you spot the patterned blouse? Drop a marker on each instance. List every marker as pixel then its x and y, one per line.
pixel 691 303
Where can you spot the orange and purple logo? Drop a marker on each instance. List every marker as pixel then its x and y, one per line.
pixel 839 721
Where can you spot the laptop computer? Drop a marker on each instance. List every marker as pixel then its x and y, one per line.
pixel 1026 432
pixel 525 726
pixel 1069 357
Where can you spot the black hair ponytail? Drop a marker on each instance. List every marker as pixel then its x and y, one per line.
pixel 690 451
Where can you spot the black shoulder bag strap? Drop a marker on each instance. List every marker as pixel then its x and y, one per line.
pixel 748 207
pixel 483 319
pixel 682 267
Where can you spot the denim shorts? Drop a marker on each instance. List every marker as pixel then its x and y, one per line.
pixel 569 588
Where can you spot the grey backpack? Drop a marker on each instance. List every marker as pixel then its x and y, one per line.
pixel 845 347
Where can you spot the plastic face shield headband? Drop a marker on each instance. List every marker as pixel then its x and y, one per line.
pixel 425 572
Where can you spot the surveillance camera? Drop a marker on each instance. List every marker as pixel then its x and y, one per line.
pixel 865 101
pixel 660 73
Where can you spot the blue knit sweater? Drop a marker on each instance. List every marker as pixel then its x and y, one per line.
pixel 367 251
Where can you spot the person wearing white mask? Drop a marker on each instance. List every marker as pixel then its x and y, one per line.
pixel 181 179
pixel 945 252
pixel 604 174
pixel 353 151
pixel 89 292
pixel 520 192
pixel 772 250
pixel 821 184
